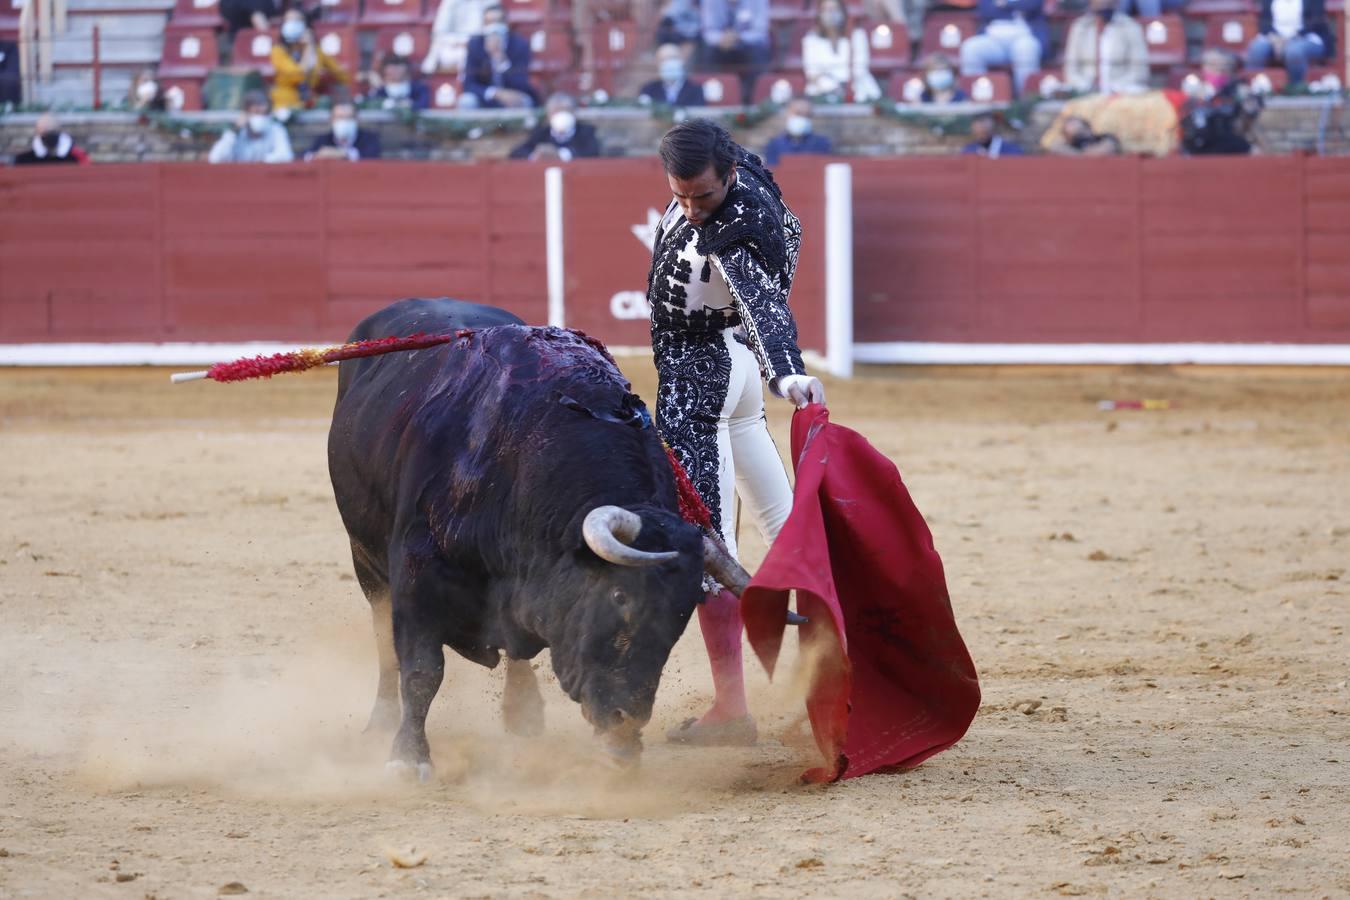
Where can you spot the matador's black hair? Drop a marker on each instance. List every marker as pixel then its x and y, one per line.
pixel 691 146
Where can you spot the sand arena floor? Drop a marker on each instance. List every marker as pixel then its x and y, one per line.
pixel 1156 602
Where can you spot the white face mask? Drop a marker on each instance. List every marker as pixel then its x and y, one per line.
pixel 398 89
pixel 940 79
pixel 496 29
pixel 562 124
pixel 798 126
pixel 344 131
pixel 292 30
pixel 146 91
pixel 258 123
pixel 672 70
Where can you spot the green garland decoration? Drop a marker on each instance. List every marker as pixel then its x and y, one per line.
pixel 1015 113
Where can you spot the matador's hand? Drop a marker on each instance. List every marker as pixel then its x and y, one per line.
pixel 802 390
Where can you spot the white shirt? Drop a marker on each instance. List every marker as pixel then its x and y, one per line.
pixel 832 65
pixel 1286 17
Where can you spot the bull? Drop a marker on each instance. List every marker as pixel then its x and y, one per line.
pixel 506 493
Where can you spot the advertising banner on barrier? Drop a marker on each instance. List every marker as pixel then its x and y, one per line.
pixel 610 210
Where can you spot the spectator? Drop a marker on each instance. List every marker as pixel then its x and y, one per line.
pixel 256 137
pixel 673 88
pixel 497 67
pixel 11 89
pixel 456 22
pixel 560 132
pixel 736 37
pixel 835 57
pixel 303 70
pixel 346 139
pixel 1106 52
pixel 1293 32
pixel 145 95
pixel 797 136
pixel 241 14
pixel 987 141
pixel 399 89
pixel 1220 116
pixel 1012 32
pixel 1076 138
pixel 51 145
pixel 939 81
pixel 680 25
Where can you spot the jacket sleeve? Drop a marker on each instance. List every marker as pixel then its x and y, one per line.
pixel 223 149
pixel 475 59
pixel 1080 57
pixel 587 144
pixel 532 140
pixel 279 150
pixel 762 304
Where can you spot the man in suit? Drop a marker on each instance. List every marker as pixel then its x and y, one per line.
pixel 560 133
pixel 798 135
pixel 673 88
pixel 346 139
pixel 497 67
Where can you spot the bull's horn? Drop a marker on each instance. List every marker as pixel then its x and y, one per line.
pixel 720 564
pixel 608 530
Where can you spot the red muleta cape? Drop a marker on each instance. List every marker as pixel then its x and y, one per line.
pixel 893 683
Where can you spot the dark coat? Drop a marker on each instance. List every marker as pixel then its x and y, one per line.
pixel 419 95
pixel 1314 22
pixel 479 74
pixel 583 144
pixel 367 144
pixel 787 145
pixel 691 93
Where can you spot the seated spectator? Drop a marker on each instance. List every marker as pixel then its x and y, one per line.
pixel 497 67
pixel 986 140
pixel 256 137
pixel 1221 117
pixel 51 145
pixel 11 88
pixel 241 14
pixel 560 131
pixel 1292 32
pixel 736 38
pixel 456 22
pixel 797 136
pixel 346 139
pixel 939 81
pixel 680 25
pixel 835 57
pixel 1076 138
pixel 398 89
pixel 145 95
pixel 304 71
pixel 1106 52
pixel 673 88
pixel 1012 32
pixel 1217 68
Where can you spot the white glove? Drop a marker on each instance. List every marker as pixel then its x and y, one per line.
pixel 800 389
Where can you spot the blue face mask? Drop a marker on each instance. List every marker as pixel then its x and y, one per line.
pixel 672 70
pixel 292 30
pixel 940 79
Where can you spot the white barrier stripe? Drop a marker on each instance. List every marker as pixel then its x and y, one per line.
pixel 931 353
pixel 553 243
pixel 839 269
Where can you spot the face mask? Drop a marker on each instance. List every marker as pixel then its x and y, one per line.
pixel 672 70
pixel 257 123
pixel 497 29
pixel 562 123
pixel 398 90
pixel 798 126
pixel 344 131
pixel 292 30
pixel 833 19
pixel 50 139
pixel 940 79
pixel 147 90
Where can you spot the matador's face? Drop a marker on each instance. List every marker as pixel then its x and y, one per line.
pixel 699 197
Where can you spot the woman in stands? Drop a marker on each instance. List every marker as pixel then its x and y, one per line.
pixel 835 58
pixel 456 22
pixel 303 69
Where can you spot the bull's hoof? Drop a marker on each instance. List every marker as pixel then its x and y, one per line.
pixel 421 773
pixel 740 732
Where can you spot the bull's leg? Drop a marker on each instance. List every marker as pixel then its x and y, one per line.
pixel 421 663
pixel 522 705
pixel 384 716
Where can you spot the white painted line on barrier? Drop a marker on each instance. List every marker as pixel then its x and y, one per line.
pixel 179 354
pixel 553 243
pixel 839 269
pixel 927 353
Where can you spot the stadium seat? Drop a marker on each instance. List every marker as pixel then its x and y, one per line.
pixel 188 53
pixel 391 12
pixel 524 11
pixel 550 48
pixel 1046 83
pixel 253 48
pixel 1230 32
pixel 721 90
pixel 615 44
pixel 943 32
pixel 181 94
pixel 789 10
pixel 992 87
pixel 1266 81
pixel 338 12
pixel 339 42
pixel 906 87
pixel 792 35
pixel 411 42
pixel 888 47
pixel 194 14
pixel 780 87
pixel 1166 38
pixel 1200 9
pixel 444 91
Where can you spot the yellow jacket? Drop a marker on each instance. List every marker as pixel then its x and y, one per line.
pixel 296 83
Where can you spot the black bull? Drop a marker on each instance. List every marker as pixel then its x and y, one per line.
pixel 504 493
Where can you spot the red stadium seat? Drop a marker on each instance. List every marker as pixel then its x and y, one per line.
pixel 338 12
pixel 254 49
pixel 888 47
pixel 615 44
pixel 792 36
pixel 525 11
pixel 188 53
pixel 944 32
pixel 906 87
pixel 992 87
pixel 1166 38
pixel 721 90
pixel 550 48
pixel 1266 81
pixel 194 14
pixel 339 42
pixel 411 42
pixel 780 87
pixel 391 12
pixel 790 10
pixel 444 91
pixel 181 94
pixel 1046 83
pixel 1231 32
pixel 1201 9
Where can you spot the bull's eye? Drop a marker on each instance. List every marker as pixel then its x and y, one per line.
pixel 619 597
